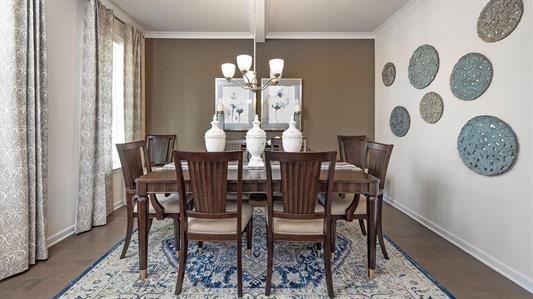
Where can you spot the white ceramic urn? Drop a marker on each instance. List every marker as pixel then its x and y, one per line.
pixel 255 144
pixel 215 138
pixel 292 138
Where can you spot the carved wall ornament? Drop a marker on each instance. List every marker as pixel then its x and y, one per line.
pixel 487 145
pixel 399 121
pixel 471 76
pixel 498 19
pixel 388 74
pixel 431 107
pixel 423 66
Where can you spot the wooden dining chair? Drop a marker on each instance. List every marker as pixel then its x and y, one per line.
pixel 213 218
pixel 159 149
pixel 344 208
pixel 352 149
pixel 132 155
pixel 299 217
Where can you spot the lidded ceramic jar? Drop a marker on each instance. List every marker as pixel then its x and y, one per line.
pixel 215 138
pixel 255 143
pixel 292 138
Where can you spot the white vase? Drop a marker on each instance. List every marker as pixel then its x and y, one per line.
pixel 292 138
pixel 215 138
pixel 255 144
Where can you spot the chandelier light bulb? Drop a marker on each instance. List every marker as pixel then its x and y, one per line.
pixel 276 66
pixel 244 62
pixel 228 70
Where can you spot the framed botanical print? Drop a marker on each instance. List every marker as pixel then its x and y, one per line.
pixel 279 103
pixel 238 104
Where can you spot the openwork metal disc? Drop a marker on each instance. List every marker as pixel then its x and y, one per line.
pixel 498 19
pixel 399 121
pixel 431 107
pixel 423 66
pixel 388 74
pixel 471 76
pixel 487 145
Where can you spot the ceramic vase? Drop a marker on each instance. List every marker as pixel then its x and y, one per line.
pixel 292 138
pixel 255 144
pixel 215 138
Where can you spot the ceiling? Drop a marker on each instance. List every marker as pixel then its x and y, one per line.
pixel 262 18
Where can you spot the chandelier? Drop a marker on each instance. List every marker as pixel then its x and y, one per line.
pixel 249 76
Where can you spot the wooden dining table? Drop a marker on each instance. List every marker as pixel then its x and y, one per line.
pixel 254 181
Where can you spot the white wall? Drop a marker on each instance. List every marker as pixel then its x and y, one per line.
pixel 489 217
pixel 64 33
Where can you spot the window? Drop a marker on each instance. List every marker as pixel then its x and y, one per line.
pixel 118 97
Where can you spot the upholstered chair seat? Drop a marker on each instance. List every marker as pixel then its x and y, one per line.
pixel 340 203
pixel 170 204
pixel 221 226
pixel 298 227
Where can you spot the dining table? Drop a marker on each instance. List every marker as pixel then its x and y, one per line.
pixel 346 180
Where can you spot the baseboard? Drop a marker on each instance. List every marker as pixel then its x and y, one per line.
pixel 60 236
pixel 497 265
pixel 118 205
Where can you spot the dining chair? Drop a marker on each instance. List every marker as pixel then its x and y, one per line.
pixel 352 149
pixel 237 145
pixel 343 208
pixel 131 157
pixel 298 217
pixel 159 149
pixel 214 218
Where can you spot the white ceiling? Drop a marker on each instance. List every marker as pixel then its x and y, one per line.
pixel 263 18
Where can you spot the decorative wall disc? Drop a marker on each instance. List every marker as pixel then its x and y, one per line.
pixel 487 145
pixel 400 121
pixel 388 74
pixel 471 76
pixel 423 66
pixel 498 19
pixel 431 107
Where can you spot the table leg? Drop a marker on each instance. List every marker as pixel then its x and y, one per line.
pixel 371 236
pixel 142 219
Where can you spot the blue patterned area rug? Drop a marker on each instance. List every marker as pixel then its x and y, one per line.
pixel 298 270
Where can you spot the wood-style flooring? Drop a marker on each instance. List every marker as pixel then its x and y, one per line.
pixel 459 272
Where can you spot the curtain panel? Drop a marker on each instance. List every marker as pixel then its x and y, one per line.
pixel 23 135
pixel 95 169
pixel 133 89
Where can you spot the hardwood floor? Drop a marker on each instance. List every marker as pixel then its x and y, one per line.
pixel 459 272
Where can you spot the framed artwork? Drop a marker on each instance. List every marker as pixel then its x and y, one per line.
pixel 238 105
pixel 279 102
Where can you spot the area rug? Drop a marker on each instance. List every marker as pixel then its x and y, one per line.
pixel 298 270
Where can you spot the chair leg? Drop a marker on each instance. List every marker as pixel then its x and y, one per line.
pixel 200 247
pixel 327 266
pixel 150 220
pixel 270 261
pixel 182 263
pixel 380 228
pixel 129 225
pixel 362 226
pixel 333 236
pixel 249 236
pixel 177 236
pixel 239 265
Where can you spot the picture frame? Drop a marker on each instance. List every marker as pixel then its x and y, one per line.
pixel 278 104
pixel 238 104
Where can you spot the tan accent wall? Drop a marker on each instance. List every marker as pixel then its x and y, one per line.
pixel 338 85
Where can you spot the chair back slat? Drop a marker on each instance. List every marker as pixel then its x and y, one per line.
pixel 378 156
pixel 352 149
pixel 131 156
pixel 159 149
pixel 300 180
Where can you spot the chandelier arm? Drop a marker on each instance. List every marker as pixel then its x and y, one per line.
pixel 267 84
pixel 240 85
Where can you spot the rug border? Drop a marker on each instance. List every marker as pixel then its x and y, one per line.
pixel 393 243
pixel 420 268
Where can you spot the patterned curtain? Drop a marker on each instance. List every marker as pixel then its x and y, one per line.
pixel 23 135
pixel 133 99
pixel 95 170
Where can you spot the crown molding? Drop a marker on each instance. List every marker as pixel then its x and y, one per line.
pixel 122 15
pixel 397 16
pixel 199 35
pixel 320 35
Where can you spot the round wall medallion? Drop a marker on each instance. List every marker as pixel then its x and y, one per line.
pixel 423 66
pixel 431 107
pixel 400 121
pixel 487 145
pixel 498 19
pixel 388 74
pixel 471 76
